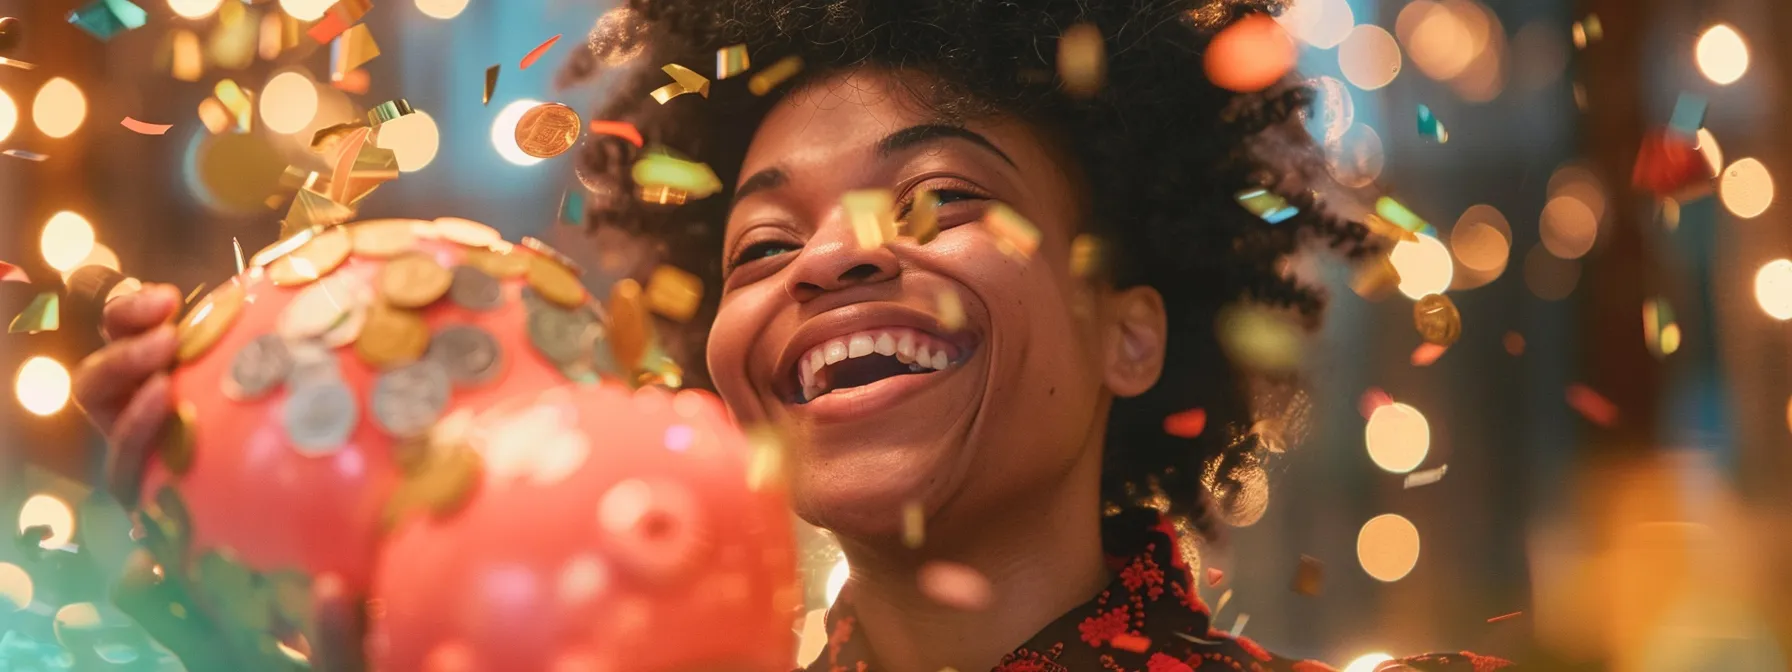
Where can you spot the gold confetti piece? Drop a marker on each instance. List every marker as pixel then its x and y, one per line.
pixel 765 466
pixel 674 293
pixel 1386 229
pixel 144 127
pixel 620 129
pixel 187 62
pixel 951 310
pixel 491 84
pixel 687 78
pixel 779 72
pixel 237 101
pixel 1082 60
pixel 213 115
pixel 355 82
pixel 1437 320
pixel 1505 617
pixel 731 61
pixel 1238 625
pixel 1660 332
pixel 279 32
pixel 17 64
pixel 872 214
pixel 1014 234
pixel 44 314
pixel 1309 578
pixel 350 51
pixel 692 179
pixel 535 54
pixel 1085 256
pixel 1260 338
pixel 26 155
pixel 663 195
pixel 1420 479
pixel 310 209
pixel 388 111
pixel 923 223
pixel 1376 279
pixel 239 254
pixel 1224 598
pixel 328 140
pixel 914 524
pixel 668 92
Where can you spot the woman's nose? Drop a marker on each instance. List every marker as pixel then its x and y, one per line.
pixel 834 260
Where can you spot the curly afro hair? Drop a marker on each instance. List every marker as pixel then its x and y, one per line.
pixel 1165 151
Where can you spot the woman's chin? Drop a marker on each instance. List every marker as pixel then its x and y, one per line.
pixel 863 496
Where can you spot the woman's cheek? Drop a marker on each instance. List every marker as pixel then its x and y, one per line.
pixel 739 325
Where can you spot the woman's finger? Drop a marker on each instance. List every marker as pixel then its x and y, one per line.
pixel 133 436
pixel 139 311
pixel 107 379
pixel 341 626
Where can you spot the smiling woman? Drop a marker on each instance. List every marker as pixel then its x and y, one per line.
pixel 1006 380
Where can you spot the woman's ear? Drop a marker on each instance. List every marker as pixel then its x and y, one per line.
pixel 1134 341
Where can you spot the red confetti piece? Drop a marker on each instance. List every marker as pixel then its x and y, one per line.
pixel 1214 576
pixel 1372 399
pixel 329 28
pixel 1427 354
pixel 1592 405
pixel 535 54
pixel 620 129
pixel 1669 164
pixel 1505 617
pixel 11 273
pixel 354 81
pixel 1186 424
pixel 1129 642
pixel 144 127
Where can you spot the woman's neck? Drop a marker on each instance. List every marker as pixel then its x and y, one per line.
pixel 1042 558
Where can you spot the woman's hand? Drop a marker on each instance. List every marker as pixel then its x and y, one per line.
pixel 124 387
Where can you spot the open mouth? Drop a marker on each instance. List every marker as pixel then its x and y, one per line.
pixel 865 357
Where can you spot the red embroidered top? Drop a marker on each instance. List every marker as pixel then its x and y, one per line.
pixel 1149 619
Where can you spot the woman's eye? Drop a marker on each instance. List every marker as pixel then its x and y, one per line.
pixel 763 250
pixel 941 198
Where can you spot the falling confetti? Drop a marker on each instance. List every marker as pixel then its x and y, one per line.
pixel 1186 424
pixel 1592 405
pixel 1221 604
pixel 674 293
pixel 1130 642
pixel 572 207
pixel 1085 256
pixel 1587 31
pixel 1419 479
pixel 1238 625
pixel 619 129
pixel 1014 234
pixel 1082 60
pixel 1372 399
pixel 1514 343
pixel 951 310
pixel 1267 205
pixel 1250 55
pixel 1505 617
pixel 491 83
pixel 11 63
pixel 765 80
pixel 144 127
pixel 1427 354
pixel 1214 576
pixel 388 111
pixel 914 525
pixel 237 102
pixel 1309 577
pixel 354 48
pixel 659 169
pixel 1689 114
pixel 238 246
pixel 872 214
pixel 923 220
pixel 1430 128
pixel 28 156
pixel 105 19
pixel 11 273
pixel 731 61
pixel 338 19
pixel 684 80
pixel 44 314
pixel 535 54
pixel 1394 211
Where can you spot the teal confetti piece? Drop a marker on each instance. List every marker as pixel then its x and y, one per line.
pixel 44 314
pixel 1430 127
pixel 1689 114
pixel 1403 217
pixel 107 18
pixel 572 208
pixel 1269 206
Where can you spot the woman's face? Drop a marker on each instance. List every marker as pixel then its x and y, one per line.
pixel 904 406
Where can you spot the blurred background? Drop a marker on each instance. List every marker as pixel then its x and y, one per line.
pixel 1590 478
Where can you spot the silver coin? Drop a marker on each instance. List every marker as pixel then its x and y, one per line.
pixel 311 361
pixel 319 416
pixel 565 337
pixel 262 364
pixel 409 399
pixel 474 289
pixel 470 354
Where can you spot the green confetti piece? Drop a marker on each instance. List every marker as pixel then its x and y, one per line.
pixel 1430 127
pixel 44 314
pixel 659 169
pixel 107 18
pixel 1393 211
pixel 1268 205
pixel 572 208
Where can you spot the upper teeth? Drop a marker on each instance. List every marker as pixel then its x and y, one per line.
pixel 909 346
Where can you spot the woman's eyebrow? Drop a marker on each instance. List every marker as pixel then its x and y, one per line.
pixel 770 178
pixel 925 133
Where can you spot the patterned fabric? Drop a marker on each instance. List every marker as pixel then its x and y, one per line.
pixel 1149 619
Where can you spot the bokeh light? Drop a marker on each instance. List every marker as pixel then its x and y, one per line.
pixel 414 138
pixel 1482 239
pixel 289 102
pixel 1568 226
pixel 100 256
pixel 1398 437
pixel 1356 158
pixel 59 109
pixel 66 240
pixel 837 580
pixel 1437 39
pixel 48 510
pixel 1367 662
pixel 194 9
pixel 1773 289
pixel 306 10
pixel 1579 182
pixel 1388 547
pixel 1321 23
pixel 9 115
pixel 441 9
pixel 15 586
pixel 504 132
pixel 1714 153
pixel 42 386
pixel 1250 55
pixel 1333 109
pixel 1424 265
pixel 1369 57
pixel 1549 277
pixel 1721 54
pixel 1746 188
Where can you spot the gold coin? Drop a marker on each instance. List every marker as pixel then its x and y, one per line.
pixel 674 293
pixel 547 130
pixel 466 232
pixel 315 259
pixel 556 284
pixel 207 323
pixel 414 280
pixel 384 238
pixel 548 251
pixel 283 247
pixel 498 264
pixel 630 327
pixel 175 439
pixel 392 337
pixel 438 487
pixel 1437 320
